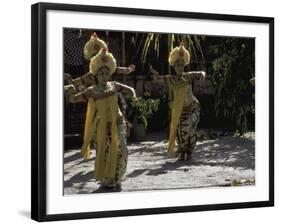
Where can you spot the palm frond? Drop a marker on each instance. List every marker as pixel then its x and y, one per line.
pixel 152 41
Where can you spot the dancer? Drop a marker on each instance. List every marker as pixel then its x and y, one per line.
pixel 185 108
pixel 106 122
pixel 91 48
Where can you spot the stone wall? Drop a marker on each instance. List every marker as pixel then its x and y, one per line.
pixel 143 83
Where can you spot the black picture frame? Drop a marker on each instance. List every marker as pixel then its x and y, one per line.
pixel 39 114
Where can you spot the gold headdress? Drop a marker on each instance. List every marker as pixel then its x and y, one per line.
pixel 179 53
pixel 103 59
pixel 93 46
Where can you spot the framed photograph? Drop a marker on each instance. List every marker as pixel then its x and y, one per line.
pixel 140 111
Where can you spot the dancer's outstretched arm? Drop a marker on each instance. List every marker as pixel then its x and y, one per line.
pixel 74 96
pixel 126 70
pixel 89 79
pixel 121 87
pixel 155 75
pixel 197 75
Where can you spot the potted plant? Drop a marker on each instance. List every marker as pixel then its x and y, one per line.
pixel 142 109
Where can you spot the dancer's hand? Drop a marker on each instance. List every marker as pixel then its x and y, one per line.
pixel 203 76
pixel 135 99
pixel 69 89
pixel 128 70
pixel 155 74
pixel 153 71
pixel 131 68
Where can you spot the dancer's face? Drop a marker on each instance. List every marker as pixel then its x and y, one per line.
pixel 103 75
pixel 179 67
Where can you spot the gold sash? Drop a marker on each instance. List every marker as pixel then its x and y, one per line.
pixel 178 92
pixel 89 117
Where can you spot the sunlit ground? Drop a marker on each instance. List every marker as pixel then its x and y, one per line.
pixel 221 162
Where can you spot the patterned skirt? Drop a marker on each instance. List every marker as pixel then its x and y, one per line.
pixel 122 158
pixel 187 131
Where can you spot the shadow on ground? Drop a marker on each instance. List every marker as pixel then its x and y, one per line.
pixel 148 159
pixel 235 152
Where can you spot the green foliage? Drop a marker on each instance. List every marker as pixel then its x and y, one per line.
pixel 151 42
pixel 232 67
pixel 144 108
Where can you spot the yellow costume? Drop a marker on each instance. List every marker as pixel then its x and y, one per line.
pixel 104 114
pixel 184 110
pixel 176 110
pixel 88 121
pixel 91 48
pixel 105 123
pixel 184 118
